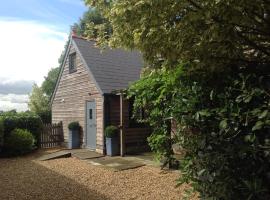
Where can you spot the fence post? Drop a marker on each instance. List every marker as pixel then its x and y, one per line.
pixel 61 133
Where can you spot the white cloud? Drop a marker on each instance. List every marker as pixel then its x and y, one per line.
pixel 28 50
pixel 15 87
pixel 13 101
pixel 14 98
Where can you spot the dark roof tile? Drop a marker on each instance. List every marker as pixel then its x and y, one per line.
pixel 113 69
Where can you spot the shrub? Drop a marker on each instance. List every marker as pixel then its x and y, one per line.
pixel 45 116
pixel 223 128
pixel 18 142
pixel 74 126
pixel 111 131
pixel 24 120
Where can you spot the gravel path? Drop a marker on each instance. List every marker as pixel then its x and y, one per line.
pixel 70 178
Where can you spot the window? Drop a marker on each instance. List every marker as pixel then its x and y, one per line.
pixel 90 114
pixel 72 62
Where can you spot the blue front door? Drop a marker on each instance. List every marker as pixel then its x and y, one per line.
pixel 91 125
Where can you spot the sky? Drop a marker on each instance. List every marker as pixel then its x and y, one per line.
pixel 32 36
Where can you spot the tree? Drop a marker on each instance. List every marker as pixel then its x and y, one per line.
pixel 202 32
pixel 93 17
pixel 39 103
pixel 93 25
pixel 39 99
pixel 49 83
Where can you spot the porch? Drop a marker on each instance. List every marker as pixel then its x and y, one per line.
pixel 133 135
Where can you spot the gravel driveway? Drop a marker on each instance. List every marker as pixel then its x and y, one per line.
pixel 71 178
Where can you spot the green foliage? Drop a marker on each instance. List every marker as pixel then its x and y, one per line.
pixel 39 104
pixel 27 120
pixel 111 131
pixel 207 68
pixel 202 32
pixel 90 23
pixel 49 83
pixel 74 126
pixel 224 129
pixel 18 142
pixel 226 138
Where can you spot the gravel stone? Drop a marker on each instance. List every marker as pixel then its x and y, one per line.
pixel 70 178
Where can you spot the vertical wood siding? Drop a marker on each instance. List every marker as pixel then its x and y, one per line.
pixel 72 93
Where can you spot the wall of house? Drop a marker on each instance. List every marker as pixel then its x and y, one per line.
pixel 72 93
pixel 135 137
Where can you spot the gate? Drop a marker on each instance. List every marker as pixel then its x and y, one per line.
pixel 51 135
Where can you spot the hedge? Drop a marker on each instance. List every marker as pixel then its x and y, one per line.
pixel 19 142
pixel 26 120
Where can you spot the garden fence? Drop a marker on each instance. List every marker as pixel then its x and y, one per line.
pixel 51 135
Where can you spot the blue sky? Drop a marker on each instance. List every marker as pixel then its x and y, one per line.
pixel 60 13
pixel 32 36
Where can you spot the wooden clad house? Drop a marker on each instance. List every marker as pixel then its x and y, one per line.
pixel 86 91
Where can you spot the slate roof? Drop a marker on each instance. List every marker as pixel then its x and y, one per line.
pixel 112 69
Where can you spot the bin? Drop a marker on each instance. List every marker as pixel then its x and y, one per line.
pixel 74 139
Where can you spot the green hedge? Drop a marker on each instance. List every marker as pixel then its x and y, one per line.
pixel 26 120
pixel 19 142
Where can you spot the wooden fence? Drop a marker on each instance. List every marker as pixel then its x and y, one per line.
pixel 51 135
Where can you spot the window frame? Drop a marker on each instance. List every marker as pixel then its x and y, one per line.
pixel 72 63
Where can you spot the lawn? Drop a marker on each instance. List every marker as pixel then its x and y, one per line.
pixel 71 178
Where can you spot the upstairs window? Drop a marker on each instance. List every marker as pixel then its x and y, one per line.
pixel 72 62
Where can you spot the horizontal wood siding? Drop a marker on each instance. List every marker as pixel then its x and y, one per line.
pixel 69 103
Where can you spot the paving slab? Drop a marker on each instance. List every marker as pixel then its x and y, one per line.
pixel 87 154
pixel 116 163
pixel 55 155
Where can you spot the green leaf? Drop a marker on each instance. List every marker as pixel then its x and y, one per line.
pixel 263 114
pixel 211 94
pixel 258 126
pixel 223 124
pixel 200 173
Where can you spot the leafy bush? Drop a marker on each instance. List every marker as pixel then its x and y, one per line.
pixel 18 142
pixel 74 126
pixel 224 129
pixel 24 120
pixel 111 131
pixel 225 132
pixel 45 116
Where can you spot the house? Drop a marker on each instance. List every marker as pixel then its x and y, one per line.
pixel 88 91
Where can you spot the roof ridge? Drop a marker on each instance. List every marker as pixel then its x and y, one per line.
pixel 83 38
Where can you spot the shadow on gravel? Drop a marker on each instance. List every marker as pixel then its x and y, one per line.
pixel 25 179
